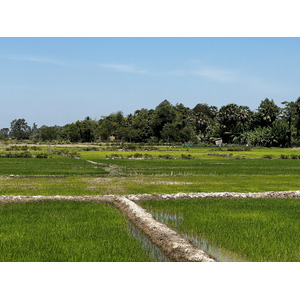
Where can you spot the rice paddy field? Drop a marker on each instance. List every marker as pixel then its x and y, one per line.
pixel 245 229
pixel 250 230
pixel 165 170
pixel 57 231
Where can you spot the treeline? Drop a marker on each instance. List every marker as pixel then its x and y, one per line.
pixel 268 125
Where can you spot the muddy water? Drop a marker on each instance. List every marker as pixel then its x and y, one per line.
pixel 147 245
pixel 200 242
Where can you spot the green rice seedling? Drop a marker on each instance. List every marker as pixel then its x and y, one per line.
pixel 256 229
pixel 90 185
pixel 53 166
pixel 58 231
pixel 202 173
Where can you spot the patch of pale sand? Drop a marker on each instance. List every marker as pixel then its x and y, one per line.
pixel 169 182
pixel 100 180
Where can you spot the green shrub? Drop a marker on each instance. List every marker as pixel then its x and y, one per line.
pixel 220 154
pixel 42 155
pixel 189 156
pixel 268 156
pixel 239 148
pixel 113 156
pixel 166 156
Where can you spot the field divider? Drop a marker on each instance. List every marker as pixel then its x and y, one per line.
pixel 271 194
pixel 174 246
pixel 14 199
pixel 140 197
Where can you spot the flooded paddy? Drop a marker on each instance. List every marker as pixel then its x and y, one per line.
pixel 200 242
pixel 147 245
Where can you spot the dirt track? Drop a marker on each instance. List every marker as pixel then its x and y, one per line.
pixel 139 197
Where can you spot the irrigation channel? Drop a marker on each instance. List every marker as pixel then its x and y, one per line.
pixel 164 243
pixel 200 242
pixel 147 245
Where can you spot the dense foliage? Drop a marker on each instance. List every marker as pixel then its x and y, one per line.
pixel 269 125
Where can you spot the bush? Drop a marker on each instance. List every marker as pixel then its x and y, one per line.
pixel 189 156
pixel 113 156
pixel 282 156
pixel 42 155
pixel 90 149
pixel 24 154
pixel 220 154
pixel 268 156
pixel 239 148
pixel 16 148
pixel 167 156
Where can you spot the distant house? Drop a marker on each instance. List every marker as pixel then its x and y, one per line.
pixel 218 141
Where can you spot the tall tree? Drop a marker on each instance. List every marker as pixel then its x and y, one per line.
pixel 267 112
pixel 48 133
pixel 4 132
pixel 19 129
pixel 297 116
pixel 111 126
pixel 164 113
pixel 204 118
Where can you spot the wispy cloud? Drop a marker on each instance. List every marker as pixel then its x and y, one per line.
pixel 124 68
pixel 37 59
pixel 215 74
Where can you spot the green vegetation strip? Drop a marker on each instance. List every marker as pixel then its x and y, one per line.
pixel 265 229
pixel 66 231
pixel 65 175
pixel 77 185
pixel 50 166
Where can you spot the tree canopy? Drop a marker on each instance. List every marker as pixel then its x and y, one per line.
pixel 268 125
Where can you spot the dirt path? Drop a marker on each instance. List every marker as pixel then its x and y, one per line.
pixel 139 197
pixel 14 199
pixel 282 194
pixel 174 246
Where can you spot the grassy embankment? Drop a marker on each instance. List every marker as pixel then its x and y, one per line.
pixel 66 231
pixel 256 229
pixel 210 170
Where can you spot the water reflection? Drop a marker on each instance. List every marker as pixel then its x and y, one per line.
pixel 147 245
pixel 165 217
pixel 199 242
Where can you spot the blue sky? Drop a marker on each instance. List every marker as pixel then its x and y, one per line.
pixel 55 81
